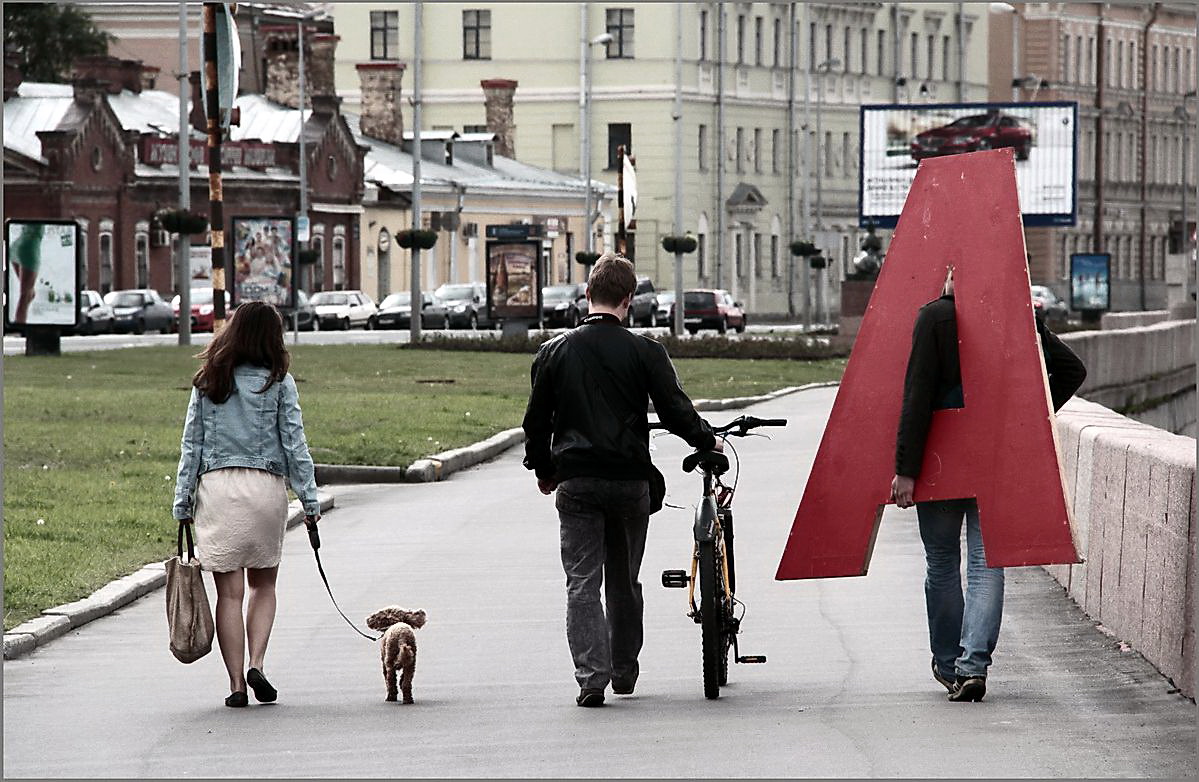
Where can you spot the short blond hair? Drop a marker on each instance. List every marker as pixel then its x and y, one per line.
pixel 612 279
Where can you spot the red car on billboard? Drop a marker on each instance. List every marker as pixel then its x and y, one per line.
pixel 972 133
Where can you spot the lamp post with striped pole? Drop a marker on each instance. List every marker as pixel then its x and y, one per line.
pixel 216 206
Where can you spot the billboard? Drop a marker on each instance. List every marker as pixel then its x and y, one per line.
pixel 895 138
pixel 1090 281
pixel 513 287
pixel 263 254
pixel 41 281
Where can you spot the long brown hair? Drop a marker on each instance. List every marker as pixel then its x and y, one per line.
pixel 254 335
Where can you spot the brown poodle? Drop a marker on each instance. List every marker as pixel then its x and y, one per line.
pixel 397 646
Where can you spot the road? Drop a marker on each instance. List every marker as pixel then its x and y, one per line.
pixel 846 691
pixel 15 346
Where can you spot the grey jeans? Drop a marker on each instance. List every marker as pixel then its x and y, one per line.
pixel 604 524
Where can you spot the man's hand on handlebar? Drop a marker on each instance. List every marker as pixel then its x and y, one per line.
pixel 546 486
pixel 719 447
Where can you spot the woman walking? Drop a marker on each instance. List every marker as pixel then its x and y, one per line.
pixel 242 437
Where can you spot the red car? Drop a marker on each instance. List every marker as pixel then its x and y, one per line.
pixel 711 309
pixel 970 134
pixel 201 306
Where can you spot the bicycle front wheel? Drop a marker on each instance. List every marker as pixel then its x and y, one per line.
pixel 710 600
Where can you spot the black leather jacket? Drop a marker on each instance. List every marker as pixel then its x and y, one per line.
pixel 573 426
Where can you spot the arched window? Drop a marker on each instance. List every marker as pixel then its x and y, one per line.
pixel 383 254
pixel 316 277
pixel 701 230
pixel 105 248
pixel 141 254
pixel 84 227
pixel 775 260
pixel 339 257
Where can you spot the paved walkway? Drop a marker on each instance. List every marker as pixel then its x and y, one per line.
pixel 846 691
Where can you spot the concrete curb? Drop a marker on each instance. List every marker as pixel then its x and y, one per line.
pixel 56 622
pixel 442 465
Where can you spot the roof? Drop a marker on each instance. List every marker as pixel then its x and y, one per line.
pixel 266 120
pixel 746 195
pixel 35 107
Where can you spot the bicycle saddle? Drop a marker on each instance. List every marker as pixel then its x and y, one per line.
pixel 714 461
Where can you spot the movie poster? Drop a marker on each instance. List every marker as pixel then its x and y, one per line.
pixel 262 260
pixel 1090 281
pixel 42 280
pixel 512 290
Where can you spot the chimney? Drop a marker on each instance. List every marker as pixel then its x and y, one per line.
pixel 12 77
pixel 324 105
pixel 87 90
pixel 381 91
pixel 117 73
pixel 323 48
pixel 283 65
pixel 497 97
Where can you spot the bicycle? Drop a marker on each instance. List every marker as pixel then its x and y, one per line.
pixel 712 561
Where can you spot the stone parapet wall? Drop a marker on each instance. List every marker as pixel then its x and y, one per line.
pixel 1132 489
pixel 1129 320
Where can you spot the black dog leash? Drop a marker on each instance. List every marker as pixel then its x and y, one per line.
pixel 315 539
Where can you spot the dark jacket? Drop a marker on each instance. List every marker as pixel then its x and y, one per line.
pixel 573 427
pixel 934 378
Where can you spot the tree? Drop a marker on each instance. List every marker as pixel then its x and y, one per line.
pixel 46 37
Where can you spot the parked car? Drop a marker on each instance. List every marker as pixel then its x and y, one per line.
pixel 395 311
pixel 202 313
pixel 95 317
pixel 344 310
pixel 974 132
pixel 665 306
pixel 466 305
pixel 140 310
pixel 303 316
pixel 1046 302
pixel 712 309
pixel 563 305
pixel 644 309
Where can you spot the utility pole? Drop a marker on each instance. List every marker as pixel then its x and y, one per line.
pixel 720 237
pixel 677 116
pixel 416 301
pixel 303 169
pixel 216 206
pixel 183 262
pixel 791 168
pixel 585 125
pixel 1100 78
pixel 1144 67
pixel 806 176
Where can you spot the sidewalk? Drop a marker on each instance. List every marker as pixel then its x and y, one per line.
pixel 846 691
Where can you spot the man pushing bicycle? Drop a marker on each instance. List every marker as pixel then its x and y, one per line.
pixel 588 437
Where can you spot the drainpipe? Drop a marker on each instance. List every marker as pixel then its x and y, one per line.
pixel 720 237
pixel 1144 237
pixel 961 53
pixel 1100 81
pixel 790 165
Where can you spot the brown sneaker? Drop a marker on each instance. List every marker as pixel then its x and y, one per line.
pixel 622 687
pixel 969 688
pixel 948 682
pixel 590 697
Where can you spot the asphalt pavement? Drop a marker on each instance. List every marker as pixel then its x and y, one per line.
pixel 846 691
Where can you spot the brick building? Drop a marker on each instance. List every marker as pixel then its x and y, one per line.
pixel 102 151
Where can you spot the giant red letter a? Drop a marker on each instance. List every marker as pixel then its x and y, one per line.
pixel 1001 448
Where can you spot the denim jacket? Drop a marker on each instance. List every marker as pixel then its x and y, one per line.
pixel 262 431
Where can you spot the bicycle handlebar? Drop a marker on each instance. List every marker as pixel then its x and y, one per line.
pixel 740 426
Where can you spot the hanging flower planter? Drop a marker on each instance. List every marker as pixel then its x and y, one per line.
pixel 419 238
pixel 679 244
pixel 308 255
pixel 817 262
pixel 586 258
pixel 806 249
pixel 181 221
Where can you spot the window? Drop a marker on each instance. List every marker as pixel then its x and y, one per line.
pixel 619 134
pixel 620 27
pixel 811 47
pixel 758 256
pixel 826 153
pixel 778 43
pixel 339 258
pixel 1065 58
pixel 476 35
pixel 1107 63
pixel 828 42
pixel 863 45
pixel 740 148
pixel 702 151
pixel 741 39
pixel 845 52
pixel 317 280
pixel 774 151
pixel 757 40
pixel 1177 69
pixel 1078 59
pixel 932 55
pixel 1090 59
pixel 846 162
pixel 84 227
pixel 774 256
pixel 385 35
pixel 105 246
pixel 703 36
pixel 757 152
pixel 880 62
pixel 1119 64
pixel 1187 75
pixel 1134 79
pixel 915 46
pixel 141 254
pixel 1153 79
pixel 737 242
pixel 945 58
pixel 700 241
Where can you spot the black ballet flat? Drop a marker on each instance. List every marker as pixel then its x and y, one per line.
pixel 237 700
pixel 263 691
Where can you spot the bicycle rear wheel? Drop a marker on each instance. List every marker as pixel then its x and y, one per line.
pixel 711 619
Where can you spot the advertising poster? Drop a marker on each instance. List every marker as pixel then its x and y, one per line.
pixel 513 289
pixel 41 283
pixel 200 265
pixel 262 260
pixel 1090 281
pixel 1043 136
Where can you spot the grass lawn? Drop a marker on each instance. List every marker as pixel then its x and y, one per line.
pixel 91 440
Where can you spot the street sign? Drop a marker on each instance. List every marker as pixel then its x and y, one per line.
pixel 228 60
pixel 303 228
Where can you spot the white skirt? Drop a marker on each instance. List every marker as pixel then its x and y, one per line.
pixel 240 517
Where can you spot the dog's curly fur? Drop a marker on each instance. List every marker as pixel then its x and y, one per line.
pixel 398 646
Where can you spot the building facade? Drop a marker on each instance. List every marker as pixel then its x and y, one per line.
pixel 1132 70
pixel 756 171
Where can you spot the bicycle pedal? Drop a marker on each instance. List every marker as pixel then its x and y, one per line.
pixel 675 579
pixel 752 658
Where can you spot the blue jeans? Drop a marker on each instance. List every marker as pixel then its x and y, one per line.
pixel 962 632
pixel 603 529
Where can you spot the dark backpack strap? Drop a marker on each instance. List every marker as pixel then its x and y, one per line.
pixel 191 548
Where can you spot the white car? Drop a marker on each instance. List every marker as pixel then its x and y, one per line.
pixel 344 309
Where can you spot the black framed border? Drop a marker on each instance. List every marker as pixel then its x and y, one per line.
pixel 241 277
pixel 47 287
pixel 501 285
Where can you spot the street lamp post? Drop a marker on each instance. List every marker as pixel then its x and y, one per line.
pixel 822 69
pixel 183 262
pixel 585 122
